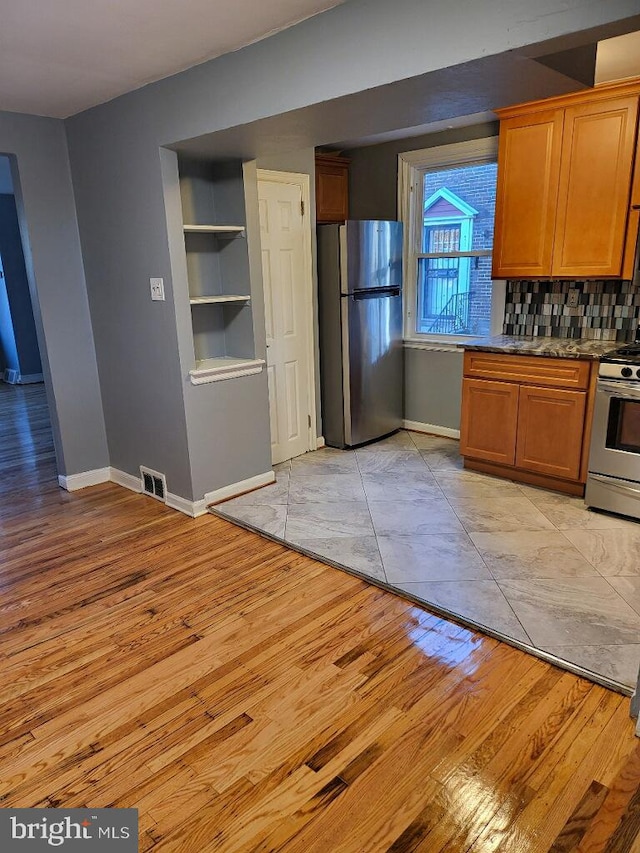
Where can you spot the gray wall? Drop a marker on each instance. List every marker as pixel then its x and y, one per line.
pixel 373 171
pixel 433 387
pixel 17 288
pixel 153 415
pixel 6 184
pixel 49 231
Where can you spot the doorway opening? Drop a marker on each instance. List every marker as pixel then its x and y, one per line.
pixel 27 456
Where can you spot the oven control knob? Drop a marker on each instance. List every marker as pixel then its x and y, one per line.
pixel 638 373
pixel 626 371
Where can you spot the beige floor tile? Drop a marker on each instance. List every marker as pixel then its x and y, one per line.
pixel 582 612
pixel 388 486
pixel 499 515
pixel 354 552
pixel 629 589
pixel 613 552
pixel 326 461
pixel 328 520
pixel 398 441
pixel 619 663
pixel 269 519
pixel 480 601
pixel 431 557
pixel 408 518
pixel 395 462
pixel 569 513
pixel 462 485
pixel 320 488
pixel 531 554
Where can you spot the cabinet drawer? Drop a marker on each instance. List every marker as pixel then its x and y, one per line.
pixel 536 370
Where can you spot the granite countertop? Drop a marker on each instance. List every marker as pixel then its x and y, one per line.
pixel 550 347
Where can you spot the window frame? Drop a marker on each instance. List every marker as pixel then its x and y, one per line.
pixel 412 166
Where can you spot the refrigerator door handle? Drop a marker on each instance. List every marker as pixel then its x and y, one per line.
pixel 346 372
pixel 376 293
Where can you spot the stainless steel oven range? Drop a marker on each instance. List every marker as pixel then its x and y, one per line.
pixel 614 459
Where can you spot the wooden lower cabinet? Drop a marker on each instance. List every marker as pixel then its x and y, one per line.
pixel 550 429
pixel 490 417
pixel 536 433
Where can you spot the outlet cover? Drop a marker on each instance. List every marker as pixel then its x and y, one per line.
pixel 573 297
pixel 157 289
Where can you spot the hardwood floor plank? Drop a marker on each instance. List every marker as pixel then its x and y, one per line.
pixel 575 828
pixel 613 809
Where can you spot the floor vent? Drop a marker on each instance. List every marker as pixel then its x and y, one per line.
pixel 11 376
pixel 153 484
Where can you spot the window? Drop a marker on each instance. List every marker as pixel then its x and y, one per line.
pixel 447 198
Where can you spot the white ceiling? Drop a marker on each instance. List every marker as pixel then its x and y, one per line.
pixel 59 57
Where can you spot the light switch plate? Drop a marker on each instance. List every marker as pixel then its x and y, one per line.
pixel 157 289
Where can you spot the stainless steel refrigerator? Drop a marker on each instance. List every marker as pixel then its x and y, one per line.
pixel 360 314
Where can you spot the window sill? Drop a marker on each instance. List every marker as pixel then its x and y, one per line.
pixel 434 345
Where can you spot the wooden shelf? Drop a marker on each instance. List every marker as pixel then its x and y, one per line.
pixel 217 369
pixel 220 230
pixel 216 300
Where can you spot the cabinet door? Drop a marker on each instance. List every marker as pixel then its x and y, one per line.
pixel 595 184
pixel 633 223
pixel 526 194
pixel 489 420
pixel 332 190
pixel 550 431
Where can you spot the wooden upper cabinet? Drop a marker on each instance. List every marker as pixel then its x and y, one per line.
pixel 565 171
pixel 594 192
pixel 633 225
pixel 332 188
pixel 526 196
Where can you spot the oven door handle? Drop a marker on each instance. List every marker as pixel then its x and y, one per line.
pixel 624 390
pixel 616 486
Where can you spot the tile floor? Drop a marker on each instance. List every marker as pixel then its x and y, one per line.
pixel 527 564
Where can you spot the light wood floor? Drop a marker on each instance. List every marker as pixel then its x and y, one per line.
pixel 246 698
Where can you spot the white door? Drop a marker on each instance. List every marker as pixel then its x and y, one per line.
pixel 286 317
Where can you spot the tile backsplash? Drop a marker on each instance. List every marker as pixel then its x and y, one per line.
pixel 605 310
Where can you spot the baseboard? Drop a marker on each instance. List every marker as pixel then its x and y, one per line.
pixel 432 429
pixel 128 481
pixel 73 482
pixel 320 442
pixel 134 484
pixel 235 489
pixel 30 378
pixel 191 508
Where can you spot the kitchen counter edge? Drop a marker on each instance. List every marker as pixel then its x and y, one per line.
pixel 542 346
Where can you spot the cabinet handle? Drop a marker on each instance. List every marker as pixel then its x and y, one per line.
pixel 635 207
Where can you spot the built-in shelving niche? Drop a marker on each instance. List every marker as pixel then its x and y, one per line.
pixel 213 214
